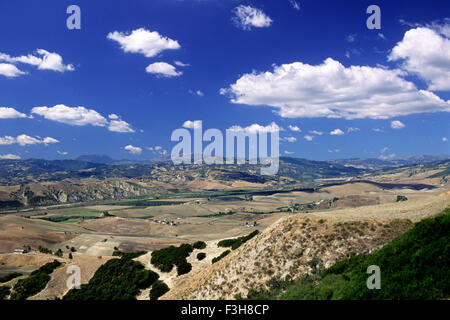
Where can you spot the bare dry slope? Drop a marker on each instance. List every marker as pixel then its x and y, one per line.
pixel 289 248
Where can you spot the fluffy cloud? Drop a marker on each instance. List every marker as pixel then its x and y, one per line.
pixel 120 126
pixel 10 113
pixel 133 150
pixel 62 153
pixel 334 91
pixel 81 116
pixel 290 139
pixel 396 124
pixel 24 140
pixel 77 116
pixel 163 69
pixel 426 53
pixel 308 138
pixel 255 128
pixel 192 124
pixel 246 17
pixel 337 132
pixel 444 139
pixel 44 61
pixel 148 43
pixel 317 133
pixel 294 128
pixel 9 156
pixel 288 152
pixel 10 70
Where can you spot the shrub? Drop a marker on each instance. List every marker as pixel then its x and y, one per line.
pixel 4 292
pixel 236 243
pixel 9 277
pixel 184 268
pixel 201 255
pixel 199 245
pixel 44 250
pixel 224 254
pixel 159 288
pixel 166 258
pixel 117 279
pixel 35 282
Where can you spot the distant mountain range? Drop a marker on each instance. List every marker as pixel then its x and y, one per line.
pixel 376 164
pixel 16 172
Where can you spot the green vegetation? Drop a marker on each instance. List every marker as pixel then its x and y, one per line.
pixel 35 282
pixel 68 218
pixel 414 266
pixel 158 289
pixel 45 250
pixel 117 279
pixel 10 276
pixel 183 268
pixel 199 245
pixel 146 203
pixel 59 253
pixel 4 292
pixel 236 243
pixel 128 255
pixel 201 256
pixel 166 258
pixel 401 198
pixel 223 255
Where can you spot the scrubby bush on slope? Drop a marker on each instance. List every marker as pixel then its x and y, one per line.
pixel 166 258
pixel 35 282
pixel 117 279
pixel 158 289
pixel 236 243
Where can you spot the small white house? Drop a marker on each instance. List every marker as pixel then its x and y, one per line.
pixel 21 251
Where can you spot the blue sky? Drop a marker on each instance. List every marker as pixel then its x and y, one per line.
pixel 245 63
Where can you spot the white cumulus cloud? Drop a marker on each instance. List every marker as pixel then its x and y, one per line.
pixel 192 124
pixel 163 69
pixel 337 132
pixel 120 126
pixel 426 53
pixel 294 128
pixel 24 140
pixel 133 150
pixel 9 156
pixel 396 124
pixel 148 43
pixel 255 128
pixel 44 60
pixel 246 17
pixel 10 113
pixel 334 91
pixel 9 70
pixel 77 116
